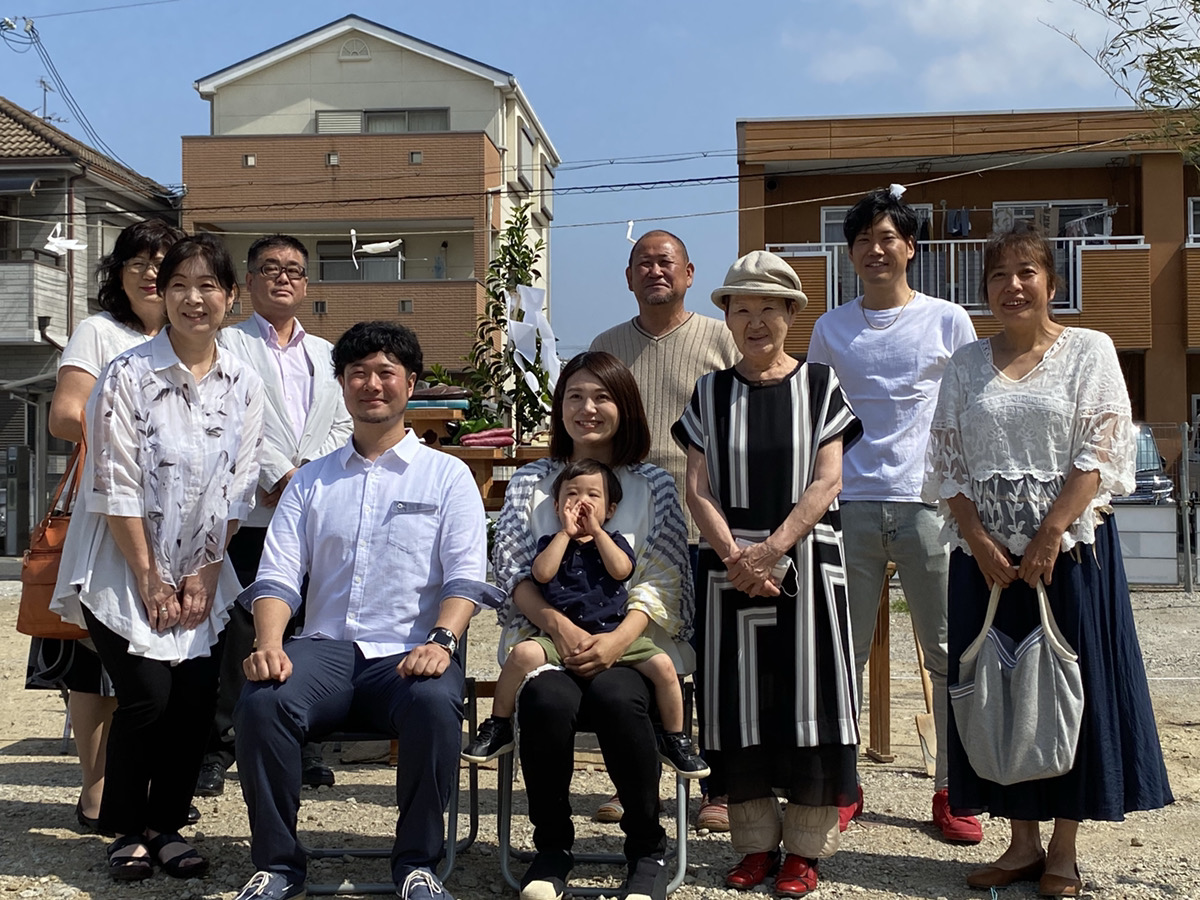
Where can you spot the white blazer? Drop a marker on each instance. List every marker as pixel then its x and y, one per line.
pixel 327 427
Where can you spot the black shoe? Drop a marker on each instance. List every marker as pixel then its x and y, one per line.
pixel 193 815
pixel 546 877
pixel 88 824
pixel 495 737
pixel 211 780
pixel 317 774
pixel 675 749
pixel 648 879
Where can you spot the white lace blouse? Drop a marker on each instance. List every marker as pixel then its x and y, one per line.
pixel 1008 445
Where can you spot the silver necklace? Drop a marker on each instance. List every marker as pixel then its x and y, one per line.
pixel 862 309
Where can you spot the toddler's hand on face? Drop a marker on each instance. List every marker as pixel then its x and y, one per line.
pixel 570 519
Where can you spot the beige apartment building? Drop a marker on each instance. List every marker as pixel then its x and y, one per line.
pixel 1121 204
pixel 358 126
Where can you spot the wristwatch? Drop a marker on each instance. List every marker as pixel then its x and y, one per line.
pixel 443 637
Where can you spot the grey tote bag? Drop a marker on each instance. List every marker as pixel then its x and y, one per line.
pixel 1018 706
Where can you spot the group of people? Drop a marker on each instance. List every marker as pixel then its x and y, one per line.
pixel 256 515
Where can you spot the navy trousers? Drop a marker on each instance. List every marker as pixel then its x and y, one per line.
pixel 333 687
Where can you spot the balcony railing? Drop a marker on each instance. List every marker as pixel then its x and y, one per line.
pixel 952 269
pixel 30 290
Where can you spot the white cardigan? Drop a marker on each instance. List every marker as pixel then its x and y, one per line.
pixel 327 427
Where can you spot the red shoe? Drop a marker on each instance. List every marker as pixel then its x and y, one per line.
pixel 797 876
pixel 960 829
pixel 751 871
pixel 853 811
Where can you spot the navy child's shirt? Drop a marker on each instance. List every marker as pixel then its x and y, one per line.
pixel 582 590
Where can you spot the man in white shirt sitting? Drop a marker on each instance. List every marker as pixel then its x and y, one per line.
pixel 391 534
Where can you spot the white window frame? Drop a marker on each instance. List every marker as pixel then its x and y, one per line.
pixel 1193 220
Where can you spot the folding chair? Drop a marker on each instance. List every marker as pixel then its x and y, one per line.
pixel 504 808
pixel 453 846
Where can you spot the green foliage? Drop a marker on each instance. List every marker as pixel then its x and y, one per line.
pixel 1152 55
pixel 498 388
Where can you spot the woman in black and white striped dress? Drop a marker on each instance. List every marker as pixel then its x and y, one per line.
pixel 778 706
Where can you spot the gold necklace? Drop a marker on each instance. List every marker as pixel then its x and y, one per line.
pixel 862 309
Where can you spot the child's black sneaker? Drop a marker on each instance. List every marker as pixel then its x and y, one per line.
pixel 675 749
pixel 494 738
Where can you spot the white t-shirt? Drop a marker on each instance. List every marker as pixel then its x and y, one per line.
pixel 97 341
pixel 891 377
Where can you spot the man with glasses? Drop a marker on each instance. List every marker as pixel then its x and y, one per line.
pixel 304 418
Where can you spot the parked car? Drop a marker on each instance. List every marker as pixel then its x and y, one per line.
pixel 1153 485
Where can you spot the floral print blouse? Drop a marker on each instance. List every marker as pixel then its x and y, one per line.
pixel 180 453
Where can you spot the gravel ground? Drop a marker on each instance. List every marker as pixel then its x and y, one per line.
pixel 891 852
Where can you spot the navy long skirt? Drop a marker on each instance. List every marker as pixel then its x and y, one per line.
pixel 1119 764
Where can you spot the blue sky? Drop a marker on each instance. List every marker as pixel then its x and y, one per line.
pixel 610 81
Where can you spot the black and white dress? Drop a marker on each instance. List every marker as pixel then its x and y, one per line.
pixel 777 688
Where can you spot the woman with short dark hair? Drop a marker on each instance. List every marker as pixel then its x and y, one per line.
pixel 132 314
pixel 174 427
pixel 1031 438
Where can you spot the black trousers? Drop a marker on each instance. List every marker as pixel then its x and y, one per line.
pixel 157 735
pixel 617 705
pixel 237 640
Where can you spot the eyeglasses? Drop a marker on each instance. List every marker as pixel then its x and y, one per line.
pixel 272 270
pixel 142 266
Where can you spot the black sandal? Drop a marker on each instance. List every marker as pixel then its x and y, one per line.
pixel 129 868
pixel 175 865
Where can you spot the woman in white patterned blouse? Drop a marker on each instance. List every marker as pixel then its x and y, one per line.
pixel 173 428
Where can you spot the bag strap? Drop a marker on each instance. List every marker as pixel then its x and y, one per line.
pixel 1054 636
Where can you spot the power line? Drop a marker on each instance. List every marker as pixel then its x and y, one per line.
pixel 80 12
pixel 708 213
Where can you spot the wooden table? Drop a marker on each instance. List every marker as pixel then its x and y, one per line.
pixel 429 420
pixel 483 462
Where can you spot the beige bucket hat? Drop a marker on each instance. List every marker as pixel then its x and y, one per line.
pixel 762 274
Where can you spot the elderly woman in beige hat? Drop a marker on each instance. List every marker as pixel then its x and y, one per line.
pixel 778 707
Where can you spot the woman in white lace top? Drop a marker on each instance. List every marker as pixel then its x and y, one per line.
pixel 1031 438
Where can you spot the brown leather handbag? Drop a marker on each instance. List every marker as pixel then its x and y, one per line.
pixel 39 568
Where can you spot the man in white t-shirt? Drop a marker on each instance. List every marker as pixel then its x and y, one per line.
pixel 889 348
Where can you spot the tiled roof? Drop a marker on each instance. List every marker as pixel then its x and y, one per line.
pixel 24 136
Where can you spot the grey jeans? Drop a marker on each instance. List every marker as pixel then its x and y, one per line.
pixel 878 532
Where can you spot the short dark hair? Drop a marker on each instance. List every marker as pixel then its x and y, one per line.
pixel 632 440
pixel 209 248
pixel 1026 239
pixel 150 237
pixel 269 242
pixel 366 338
pixel 867 211
pixel 589 466
pixel 659 233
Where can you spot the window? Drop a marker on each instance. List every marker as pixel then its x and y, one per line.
pixel 236 308
pixel 405 121
pixel 414 157
pixel 354 50
pixel 405 306
pixel 525 156
pixel 335 264
pixel 320 307
pixel 547 189
pixel 1056 218
pixel 382 121
pixel 249 160
pixel 331 159
pixel 1194 220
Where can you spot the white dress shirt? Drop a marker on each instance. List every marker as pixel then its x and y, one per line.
pixel 295 371
pixel 383 544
